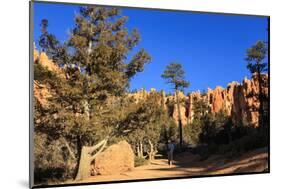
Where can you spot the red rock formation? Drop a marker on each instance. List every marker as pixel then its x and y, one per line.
pixel 190 100
pixel 183 114
pixel 41 91
pixel 238 100
pixel 43 59
pixel 139 95
pixel 182 100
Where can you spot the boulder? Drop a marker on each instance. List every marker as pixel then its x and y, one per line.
pixel 117 158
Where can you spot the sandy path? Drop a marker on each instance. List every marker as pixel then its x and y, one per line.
pixel 187 164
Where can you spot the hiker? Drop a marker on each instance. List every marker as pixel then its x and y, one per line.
pixel 170 151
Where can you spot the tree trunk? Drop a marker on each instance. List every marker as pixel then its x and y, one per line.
pixel 71 153
pixel 84 168
pixel 86 110
pixel 79 149
pixel 163 107
pixel 260 121
pixel 86 158
pixel 138 151
pixel 141 149
pixel 179 116
pixel 152 152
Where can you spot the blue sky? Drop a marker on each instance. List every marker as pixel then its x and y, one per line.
pixel 211 47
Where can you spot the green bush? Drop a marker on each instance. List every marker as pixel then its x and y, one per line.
pixel 140 161
pixel 50 161
pixel 250 141
pixel 244 144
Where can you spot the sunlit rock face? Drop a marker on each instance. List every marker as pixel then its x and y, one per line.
pixel 40 91
pixel 237 100
pixel 182 107
pixel 139 95
pixel 190 101
pixel 43 59
pixel 182 114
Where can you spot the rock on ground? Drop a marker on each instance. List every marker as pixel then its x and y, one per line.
pixel 117 158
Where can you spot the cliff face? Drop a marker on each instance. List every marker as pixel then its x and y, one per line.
pixel 42 92
pixel 43 59
pixel 238 100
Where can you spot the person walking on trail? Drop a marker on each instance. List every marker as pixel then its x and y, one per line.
pixel 170 151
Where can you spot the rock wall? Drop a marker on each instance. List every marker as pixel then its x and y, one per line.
pixel 42 92
pixel 43 59
pixel 237 100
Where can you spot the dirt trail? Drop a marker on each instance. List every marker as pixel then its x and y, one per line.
pixel 187 164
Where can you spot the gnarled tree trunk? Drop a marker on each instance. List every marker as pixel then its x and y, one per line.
pixel 152 152
pixel 140 150
pixel 71 153
pixel 87 155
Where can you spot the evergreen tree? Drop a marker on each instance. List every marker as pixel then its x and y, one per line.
pixel 201 117
pixel 257 66
pixel 206 125
pixel 148 118
pixel 96 74
pixel 47 41
pixel 174 74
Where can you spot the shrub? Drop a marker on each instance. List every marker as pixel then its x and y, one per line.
pixel 50 162
pixel 49 174
pixel 139 161
pixel 246 143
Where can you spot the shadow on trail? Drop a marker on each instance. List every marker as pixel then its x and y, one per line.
pixel 186 163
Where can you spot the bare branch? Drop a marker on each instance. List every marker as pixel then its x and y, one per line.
pixel 93 148
pixel 68 148
pixel 100 150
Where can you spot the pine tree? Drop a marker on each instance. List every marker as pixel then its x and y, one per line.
pixel 206 125
pixel 47 41
pixel 201 116
pixel 96 74
pixel 148 118
pixel 174 74
pixel 257 66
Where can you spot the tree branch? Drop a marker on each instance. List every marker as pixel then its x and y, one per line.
pixel 93 148
pixel 68 148
pixel 100 150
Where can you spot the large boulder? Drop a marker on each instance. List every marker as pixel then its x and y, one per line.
pixel 117 158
